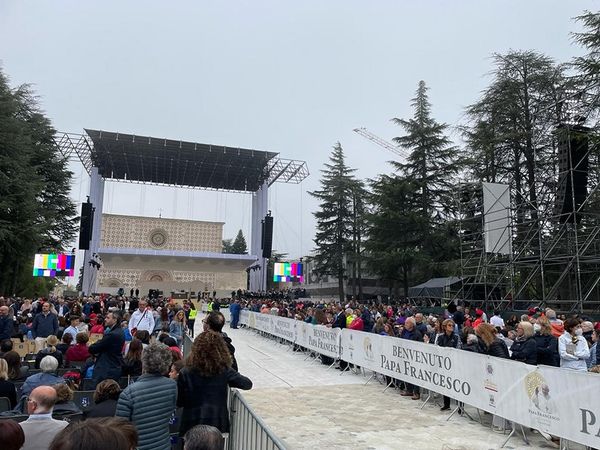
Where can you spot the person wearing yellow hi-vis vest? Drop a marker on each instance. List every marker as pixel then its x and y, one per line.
pixel 190 312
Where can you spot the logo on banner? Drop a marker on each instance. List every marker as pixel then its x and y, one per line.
pixel 488 382
pixel 368 348
pixel 539 394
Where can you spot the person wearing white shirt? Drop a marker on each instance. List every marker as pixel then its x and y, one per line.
pixel 496 320
pixel 141 319
pixel 73 328
pixel 572 346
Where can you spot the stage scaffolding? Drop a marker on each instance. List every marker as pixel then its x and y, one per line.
pixel 554 257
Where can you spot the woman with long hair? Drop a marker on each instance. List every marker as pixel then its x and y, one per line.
pixel 132 363
pixel 204 382
pixel 177 326
pixel 492 345
pixel 16 371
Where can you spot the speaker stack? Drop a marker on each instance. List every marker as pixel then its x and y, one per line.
pixel 573 167
pixel 85 227
pixel 267 236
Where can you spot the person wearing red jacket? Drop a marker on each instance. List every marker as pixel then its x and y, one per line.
pixel 79 351
pixel 357 323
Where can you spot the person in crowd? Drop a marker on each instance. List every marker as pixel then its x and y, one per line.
pixel 339 320
pixel 125 327
pixel 108 350
pixel 357 322
pixel 44 324
pixel 572 347
pixel 16 371
pixel 471 344
pixel 496 320
pixel 150 401
pixel 66 342
pixel 587 327
pixel 132 363
pixel 557 325
pixel 97 434
pixel 177 327
pixel 235 310
pixel 7 388
pixel 62 309
pixel 176 367
pixel 98 327
pixel 411 333
pixel 11 435
pixel 64 401
pixel 141 319
pixel 5 346
pixel 78 352
pixel 175 350
pixel 490 344
pixel 73 328
pixel 378 328
pixel 7 325
pixel 51 350
pixel 447 339
pixel 524 348
pixel 190 313
pixel 591 361
pixel 215 321
pixel 106 397
pixel 40 428
pixel 420 324
pixel 512 321
pixel 204 382
pixel 144 337
pixel 203 437
pixel 546 343
pixel 46 377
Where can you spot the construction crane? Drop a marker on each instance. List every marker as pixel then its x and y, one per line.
pixel 381 142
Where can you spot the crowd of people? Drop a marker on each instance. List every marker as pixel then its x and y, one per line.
pixel 538 337
pixel 129 352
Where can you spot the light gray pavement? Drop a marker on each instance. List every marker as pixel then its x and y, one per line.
pixel 311 407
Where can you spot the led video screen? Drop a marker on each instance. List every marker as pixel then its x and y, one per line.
pixel 54 265
pixel 288 272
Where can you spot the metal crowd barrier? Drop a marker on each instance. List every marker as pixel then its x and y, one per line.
pixel 248 430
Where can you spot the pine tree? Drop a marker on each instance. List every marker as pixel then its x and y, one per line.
pixel 239 244
pixel 433 162
pixel 397 228
pixel 334 218
pixel 36 213
pixel 227 244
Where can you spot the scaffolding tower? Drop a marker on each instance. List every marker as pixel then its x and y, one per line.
pixel 554 258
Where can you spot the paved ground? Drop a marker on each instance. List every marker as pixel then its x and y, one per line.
pixel 311 407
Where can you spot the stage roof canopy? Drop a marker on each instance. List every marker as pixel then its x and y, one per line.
pixel 149 160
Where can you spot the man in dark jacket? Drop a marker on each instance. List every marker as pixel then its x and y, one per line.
pixel 108 350
pixel 448 339
pixel 44 324
pixel 215 321
pixel 411 333
pixel 7 326
pixel 339 321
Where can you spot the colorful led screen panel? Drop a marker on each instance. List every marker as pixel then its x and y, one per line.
pixel 54 265
pixel 288 272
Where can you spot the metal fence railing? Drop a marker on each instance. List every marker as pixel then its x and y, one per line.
pixel 248 431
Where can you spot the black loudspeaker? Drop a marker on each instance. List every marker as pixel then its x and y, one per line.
pixel 85 228
pixel 573 167
pixel 267 236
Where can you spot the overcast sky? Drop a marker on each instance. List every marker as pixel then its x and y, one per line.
pixel 289 77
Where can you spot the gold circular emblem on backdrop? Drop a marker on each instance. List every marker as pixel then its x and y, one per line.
pixel 158 238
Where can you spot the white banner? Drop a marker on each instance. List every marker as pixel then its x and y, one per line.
pixel 284 328
pixel 318 338
pixel 558 401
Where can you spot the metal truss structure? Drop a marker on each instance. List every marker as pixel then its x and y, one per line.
pixel 555 257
